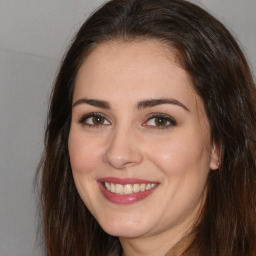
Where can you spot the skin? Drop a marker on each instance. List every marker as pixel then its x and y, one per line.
pixel 130 143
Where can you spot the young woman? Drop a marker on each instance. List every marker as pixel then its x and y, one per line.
pixel 150 145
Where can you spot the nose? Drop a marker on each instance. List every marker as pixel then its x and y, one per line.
pixel 122 150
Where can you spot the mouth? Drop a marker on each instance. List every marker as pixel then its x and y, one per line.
pixel 127 188
pixel 126 191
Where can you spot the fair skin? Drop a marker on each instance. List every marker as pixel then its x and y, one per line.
pixel 136 121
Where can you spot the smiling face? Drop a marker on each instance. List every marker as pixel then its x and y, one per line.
pixel 139 141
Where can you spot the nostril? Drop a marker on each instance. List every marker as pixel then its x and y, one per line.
pixel 121 151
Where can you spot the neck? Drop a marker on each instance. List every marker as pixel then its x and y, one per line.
pixel 182 245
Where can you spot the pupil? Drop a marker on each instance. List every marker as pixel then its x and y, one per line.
pixel 98 120
pixel 160 121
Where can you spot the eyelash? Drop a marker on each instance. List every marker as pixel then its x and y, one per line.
pixel 165 118
pixel 85 118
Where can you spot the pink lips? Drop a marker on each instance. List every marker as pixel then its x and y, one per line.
pixel 125 199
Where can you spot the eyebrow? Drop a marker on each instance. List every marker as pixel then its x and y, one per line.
pixel 93 102
pixel 155 102
pixel 141 104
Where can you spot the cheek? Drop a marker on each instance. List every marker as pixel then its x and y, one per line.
pixel 84 153
pixel 84 157
pixel 180 155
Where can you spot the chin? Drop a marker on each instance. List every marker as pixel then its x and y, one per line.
pixel 127 230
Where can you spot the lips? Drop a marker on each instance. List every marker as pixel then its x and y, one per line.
pixel 126 191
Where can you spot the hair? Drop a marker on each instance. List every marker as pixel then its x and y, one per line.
pixel 220 76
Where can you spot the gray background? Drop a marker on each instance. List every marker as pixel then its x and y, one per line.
pixel 33 36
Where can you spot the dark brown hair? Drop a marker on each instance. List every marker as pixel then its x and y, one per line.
pixel 221 77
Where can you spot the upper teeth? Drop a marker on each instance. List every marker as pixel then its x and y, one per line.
pixel 127 188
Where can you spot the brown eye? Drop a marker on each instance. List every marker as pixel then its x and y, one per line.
pixel 160 121
pixel 94 120
pixel 98 120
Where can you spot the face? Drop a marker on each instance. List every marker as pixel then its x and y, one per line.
pixel 139 141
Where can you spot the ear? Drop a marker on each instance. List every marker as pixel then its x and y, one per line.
pixel 215 157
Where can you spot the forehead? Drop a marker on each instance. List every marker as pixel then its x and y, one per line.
pixel 133 70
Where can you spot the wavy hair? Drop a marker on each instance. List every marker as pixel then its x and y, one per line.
pixel 221 77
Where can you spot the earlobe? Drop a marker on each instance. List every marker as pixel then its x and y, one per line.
pixel 215 157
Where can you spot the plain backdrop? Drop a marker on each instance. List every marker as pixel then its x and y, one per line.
pixel 33 37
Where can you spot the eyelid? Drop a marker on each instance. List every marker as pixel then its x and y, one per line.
pixel 171 122
pixel 170 119
pixel 85 117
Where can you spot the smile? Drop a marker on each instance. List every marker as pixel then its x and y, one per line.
pixel 126 191
pixel 127 188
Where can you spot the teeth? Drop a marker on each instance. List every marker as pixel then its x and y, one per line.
pixel 119 189
pixel 148 186
pixel 112 188
pixel 107 185
pixel 136 188
pixel 127 188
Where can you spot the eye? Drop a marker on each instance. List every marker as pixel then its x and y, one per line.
pixel 94 120
pixel 160 121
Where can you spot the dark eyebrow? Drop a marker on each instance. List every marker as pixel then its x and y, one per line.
pixel 141 104
pixel 92 102
pixel 154 102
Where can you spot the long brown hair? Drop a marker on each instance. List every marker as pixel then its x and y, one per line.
pixel 221 77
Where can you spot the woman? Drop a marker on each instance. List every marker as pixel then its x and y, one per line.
pixel 150 145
